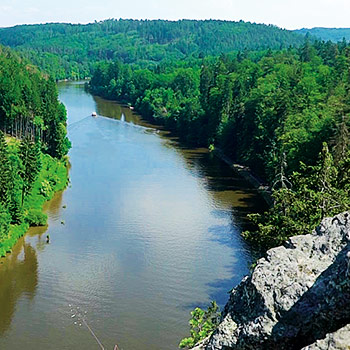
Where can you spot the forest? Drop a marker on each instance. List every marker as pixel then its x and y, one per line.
pixel 272 100
pixel 283 113
pixel 268 98
pixel 71 50
pixel 327 34
pixel 33 146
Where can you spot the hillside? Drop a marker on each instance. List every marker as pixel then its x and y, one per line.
pixel 269 113
pixel 33 146
pixel 70 51
pixel 326 34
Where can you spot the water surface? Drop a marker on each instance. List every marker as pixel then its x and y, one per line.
pixel 151 230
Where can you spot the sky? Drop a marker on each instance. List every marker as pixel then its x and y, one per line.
pixel 283 13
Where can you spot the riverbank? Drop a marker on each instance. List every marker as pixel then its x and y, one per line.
pixel 243 171
pixel 53 177
pixel 246 173
pixel 143 212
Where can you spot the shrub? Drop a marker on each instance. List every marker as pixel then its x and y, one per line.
pixel 202 323
pixel 36 217
pixel 46 189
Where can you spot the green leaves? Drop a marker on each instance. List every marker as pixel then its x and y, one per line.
pixel 5 172
pixel 317 191
pixel 34 178
pixel 30 157
pixel 272 111
pixel 66 51
pixel 202 323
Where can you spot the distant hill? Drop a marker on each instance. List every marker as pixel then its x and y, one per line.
pixel 67 50
pixel 326 34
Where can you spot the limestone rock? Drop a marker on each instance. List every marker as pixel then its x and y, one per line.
pixel 296 295
pixel 339 340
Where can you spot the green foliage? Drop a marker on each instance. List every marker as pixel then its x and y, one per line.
pixel 271 111
pixel 255 107
pixel 5 172
pixel 318 191
pixel 5 220
pixel 14 233
pixel 169 97
pixel 29 110
pixel 15 209
pixel 17 217
pixel 202 323
pixel 29 155
pixel 332 34
pixel 29 106
pixel 71 51
pixel 36 217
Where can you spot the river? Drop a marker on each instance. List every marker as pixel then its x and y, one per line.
pixel 146 231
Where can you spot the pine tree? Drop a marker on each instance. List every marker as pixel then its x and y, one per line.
pixel 341 141
pixel 4 222
pixel 15 211
pixel 307 51
pixel 4 171
pixel 29 157
pixel 325 175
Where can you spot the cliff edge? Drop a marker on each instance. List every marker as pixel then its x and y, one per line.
pixel 297 297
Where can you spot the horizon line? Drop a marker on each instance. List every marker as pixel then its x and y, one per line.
pixel 168 20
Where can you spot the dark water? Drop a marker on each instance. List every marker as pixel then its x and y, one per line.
pixel 151 231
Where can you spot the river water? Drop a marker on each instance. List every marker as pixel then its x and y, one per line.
pixel 145 232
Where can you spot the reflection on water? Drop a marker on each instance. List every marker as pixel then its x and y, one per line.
pixel 54 207
pixel 152 230
pixel 18 278
pixel 116 111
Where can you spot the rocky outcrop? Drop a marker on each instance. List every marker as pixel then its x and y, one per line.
pixel 339 340
pixel 296 295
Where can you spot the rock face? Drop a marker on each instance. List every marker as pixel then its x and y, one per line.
pixel 296 296
pixel 339 340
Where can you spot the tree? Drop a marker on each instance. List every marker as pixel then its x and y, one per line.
pixel 57 141
pixel 4 171
pixel 4 222
pixel 30 165
pixel 307 52
pixel 315 194
pixel 15 210
pixel 341 140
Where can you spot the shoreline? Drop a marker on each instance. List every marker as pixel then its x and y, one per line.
pixel 247 174
pixel 18 231
pixel 243 171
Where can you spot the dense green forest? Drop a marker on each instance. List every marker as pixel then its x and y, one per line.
pixel 285 114
pixel 327 34
pixel 33 145
pixel 71 50
pixel 271 100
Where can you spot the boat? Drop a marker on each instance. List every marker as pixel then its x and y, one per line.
pixel 94 114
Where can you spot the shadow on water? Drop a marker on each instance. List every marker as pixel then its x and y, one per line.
pixel 238 199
